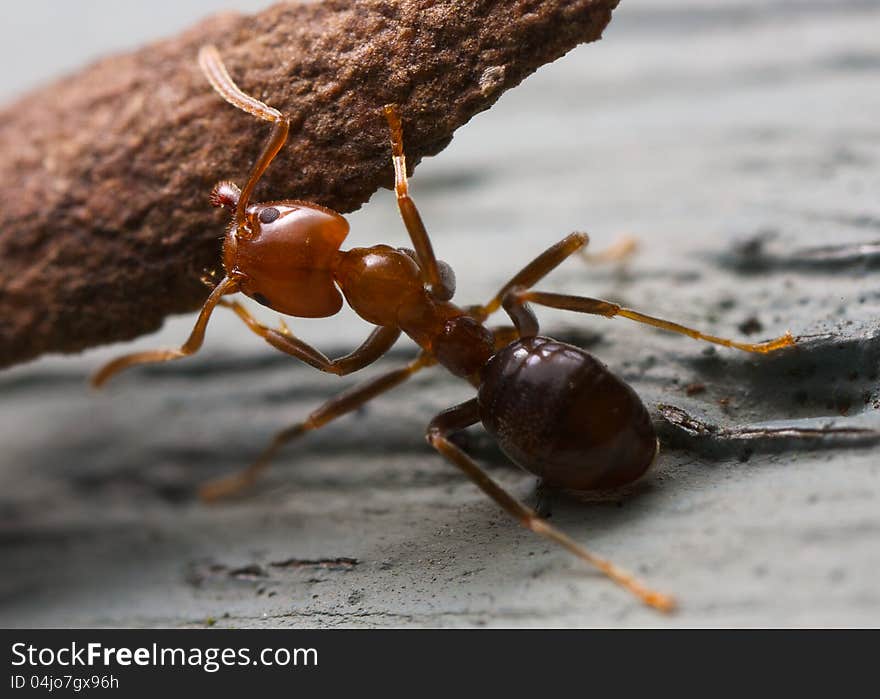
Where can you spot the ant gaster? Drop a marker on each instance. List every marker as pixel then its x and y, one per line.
pixel 553 408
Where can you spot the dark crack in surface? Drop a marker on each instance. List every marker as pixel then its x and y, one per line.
pixel 683 430
pixel 765 253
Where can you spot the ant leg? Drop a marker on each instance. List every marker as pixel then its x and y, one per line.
pixel 619 251
pixel 581 304
pixel 216 73
pixel 378 343
pixel 467 414
pixel 515 293
pixel 447 274
pixel 336 407
pixel 228 285
pixel 431 273
pixel 503 335
pixel 524 320
pixel 533 272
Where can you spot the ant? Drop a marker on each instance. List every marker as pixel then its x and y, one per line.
pixel 553 408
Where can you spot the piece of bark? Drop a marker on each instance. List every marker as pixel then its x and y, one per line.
pixel 105 226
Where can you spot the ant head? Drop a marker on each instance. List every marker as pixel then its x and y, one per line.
pixel 287 253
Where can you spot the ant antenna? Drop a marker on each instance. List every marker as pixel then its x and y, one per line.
pixel 216 73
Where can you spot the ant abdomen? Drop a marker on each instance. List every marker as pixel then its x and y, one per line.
pixel 561 414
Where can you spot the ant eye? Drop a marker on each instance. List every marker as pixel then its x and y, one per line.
pixel 269 214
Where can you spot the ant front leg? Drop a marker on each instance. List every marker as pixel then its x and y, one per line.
pixel 467 414
pixel 228 285
pixel 378 343
pixel 434 279
pixel 580 304
pixel 334 408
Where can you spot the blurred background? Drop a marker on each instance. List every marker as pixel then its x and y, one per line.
pixel 735 139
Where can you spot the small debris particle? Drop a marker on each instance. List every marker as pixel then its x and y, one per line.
pixel 248 572
pixel 491 80
pixel 694 389
pixel 750 326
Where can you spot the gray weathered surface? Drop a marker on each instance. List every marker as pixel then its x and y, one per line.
pixel 693 125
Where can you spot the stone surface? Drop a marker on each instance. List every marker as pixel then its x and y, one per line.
pixel 734 139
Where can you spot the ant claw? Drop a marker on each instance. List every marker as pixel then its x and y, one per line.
pixel 283 328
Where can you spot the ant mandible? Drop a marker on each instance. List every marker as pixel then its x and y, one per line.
pixel 553 408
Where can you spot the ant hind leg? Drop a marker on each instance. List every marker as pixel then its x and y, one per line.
pixel 534 271
pixel 467 414
pixel 342 404
pixel 517 291
pixel 581 304
pixel 620 251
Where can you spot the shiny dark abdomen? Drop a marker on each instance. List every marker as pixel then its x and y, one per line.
pixel 559 413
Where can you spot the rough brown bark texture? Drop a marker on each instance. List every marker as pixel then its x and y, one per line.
pixel 105 226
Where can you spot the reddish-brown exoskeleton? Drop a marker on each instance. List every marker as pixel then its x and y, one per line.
pixel 552 407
